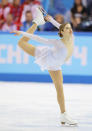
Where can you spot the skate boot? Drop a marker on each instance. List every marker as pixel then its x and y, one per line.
pixel 66 119
pixel 39 20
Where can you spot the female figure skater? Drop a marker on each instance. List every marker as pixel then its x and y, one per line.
pixel 51 58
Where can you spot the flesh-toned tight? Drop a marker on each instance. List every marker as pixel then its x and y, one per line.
pixel 56 76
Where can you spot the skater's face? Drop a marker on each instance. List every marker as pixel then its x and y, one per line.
pixel 67 30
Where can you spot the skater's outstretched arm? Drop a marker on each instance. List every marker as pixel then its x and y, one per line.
pixel 37 38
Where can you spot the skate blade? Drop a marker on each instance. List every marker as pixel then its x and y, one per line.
pixel 67 124
pixel 42 10
pixel 63 123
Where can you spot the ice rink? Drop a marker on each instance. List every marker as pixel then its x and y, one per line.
pixel 34 107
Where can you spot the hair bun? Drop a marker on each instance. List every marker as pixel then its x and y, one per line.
pixel 60 34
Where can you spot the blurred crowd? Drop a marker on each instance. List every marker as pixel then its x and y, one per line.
pixel 15 15
pixel 79 15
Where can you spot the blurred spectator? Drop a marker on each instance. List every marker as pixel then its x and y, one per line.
pixel 59 18
pixel 90 10
pixel 78 13
pixel 49 27
pixel 5 8
pixel 8 25
pixel 16 11
pixel 29 5
pixel 56 7
pixel 26 24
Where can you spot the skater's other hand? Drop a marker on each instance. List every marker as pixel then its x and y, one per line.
pixel 16 33
pixel 48 17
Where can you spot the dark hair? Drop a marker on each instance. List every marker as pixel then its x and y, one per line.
pixel 74 8
pixel 61 28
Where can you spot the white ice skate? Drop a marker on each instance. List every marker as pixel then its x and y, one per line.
pixel 66 119
pixel 39 20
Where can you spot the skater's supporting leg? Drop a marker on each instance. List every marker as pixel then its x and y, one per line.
pixel 58 82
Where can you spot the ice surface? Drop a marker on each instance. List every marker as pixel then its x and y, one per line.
pixel 34 107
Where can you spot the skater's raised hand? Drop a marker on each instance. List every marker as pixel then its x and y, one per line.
pixel 48 18
pixel 16 33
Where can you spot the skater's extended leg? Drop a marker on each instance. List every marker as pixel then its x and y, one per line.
pixel 30 49
pixel 23 42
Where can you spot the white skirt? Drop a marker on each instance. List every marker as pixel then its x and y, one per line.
pixel 44 58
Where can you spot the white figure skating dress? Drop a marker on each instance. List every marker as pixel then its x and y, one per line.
pixel 51 56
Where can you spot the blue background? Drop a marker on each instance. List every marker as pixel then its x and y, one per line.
pixel 75 72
